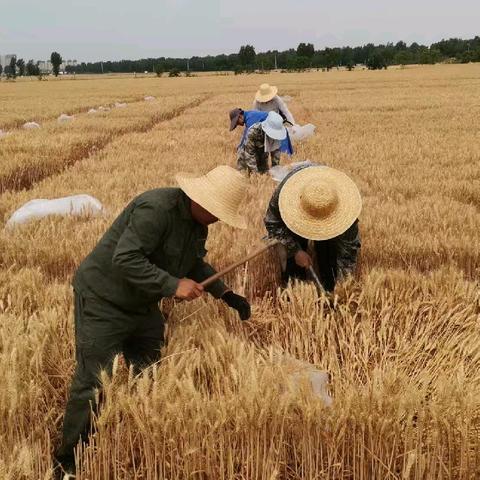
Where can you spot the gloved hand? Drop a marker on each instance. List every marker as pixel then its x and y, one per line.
pixel 239 303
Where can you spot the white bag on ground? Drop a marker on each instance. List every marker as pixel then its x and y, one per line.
pixel 39 208
pixel 149 98
pixel 120 105
pixel 31 125
pixel 299 132
pixel 63 118
pixel 302 375
pixel 92 111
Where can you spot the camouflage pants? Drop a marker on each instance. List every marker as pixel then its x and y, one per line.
pixel 244 162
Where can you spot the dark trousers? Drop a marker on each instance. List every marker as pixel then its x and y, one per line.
pixel 326 256
pixel 103 330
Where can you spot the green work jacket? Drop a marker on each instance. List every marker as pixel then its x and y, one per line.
pixel 151 245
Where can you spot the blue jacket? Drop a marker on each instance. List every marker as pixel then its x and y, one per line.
pixel 255 116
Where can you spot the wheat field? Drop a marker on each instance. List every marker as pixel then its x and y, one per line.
pixel 402 344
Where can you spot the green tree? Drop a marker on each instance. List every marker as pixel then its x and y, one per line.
pixel 376 61
pixel 158 70
pixel 56 60
pixel 247 56
pixel 402 58
pixel 32 69
pixel 11 69
pixel 306 50
pixel 21 66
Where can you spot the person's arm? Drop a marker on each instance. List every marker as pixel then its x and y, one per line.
pixel 144 232
pixel 218 289
pixel 277 229
pixel 282 107
pixel 201 271
pixel 348 247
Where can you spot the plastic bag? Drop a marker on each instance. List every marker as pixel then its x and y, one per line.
pixel 63 118
pixel 91 111
pixel 279 172
pixel 71 205
pixel 149 98
pixel 303 375
pixel 31 125
pixel 298 132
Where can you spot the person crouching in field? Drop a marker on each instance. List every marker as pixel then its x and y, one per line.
pixel 321 204
pixel 154 249
pixel 261 139
pixel 248 118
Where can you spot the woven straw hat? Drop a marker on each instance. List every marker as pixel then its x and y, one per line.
pixel 220 192
pixel 319 203
pixel 265 93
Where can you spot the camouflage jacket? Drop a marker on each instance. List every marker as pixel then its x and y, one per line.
pixel 251 154
pixel 348 243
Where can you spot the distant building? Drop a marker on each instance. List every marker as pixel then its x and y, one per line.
pixel 45 66
pixel 5 59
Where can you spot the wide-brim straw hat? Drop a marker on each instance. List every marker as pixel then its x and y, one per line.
pixel 220 192
pixel 319 203
pixel 273 126
pixel 265 93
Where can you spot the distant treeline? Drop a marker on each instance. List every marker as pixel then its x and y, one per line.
pixel 303 57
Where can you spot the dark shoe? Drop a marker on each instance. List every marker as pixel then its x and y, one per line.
pixel 63 468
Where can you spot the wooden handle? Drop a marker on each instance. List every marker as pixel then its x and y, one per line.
pixel 251 255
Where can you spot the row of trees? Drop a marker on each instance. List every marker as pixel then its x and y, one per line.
pixel 31 68
pixel 304 56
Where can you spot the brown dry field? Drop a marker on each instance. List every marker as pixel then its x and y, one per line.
pixel 402 345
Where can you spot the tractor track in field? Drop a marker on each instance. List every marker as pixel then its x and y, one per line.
pixel 25 178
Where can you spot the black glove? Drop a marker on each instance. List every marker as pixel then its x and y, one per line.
pixel 239 303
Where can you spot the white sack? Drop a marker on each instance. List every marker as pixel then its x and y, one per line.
pixel 91 111
pixel 39 208
pixel 63 118
pixel 31 125
pixel 279 172
pixel 301 375
pixel 298 132
pixel 149 98
pixel 120 105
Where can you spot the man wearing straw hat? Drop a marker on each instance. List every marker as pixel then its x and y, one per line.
pixel 153 250
pixel 320 204
pixel 261 139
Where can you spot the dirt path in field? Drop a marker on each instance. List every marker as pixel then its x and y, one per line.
pixel 25 178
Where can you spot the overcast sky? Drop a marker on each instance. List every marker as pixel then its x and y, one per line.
pixel 89 30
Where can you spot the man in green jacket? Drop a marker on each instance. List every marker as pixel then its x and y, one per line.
pixel 154 249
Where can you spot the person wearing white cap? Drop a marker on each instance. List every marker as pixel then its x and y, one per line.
pixel 154 249
pixel 267 100
pixel 262 138
pixel 318 204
